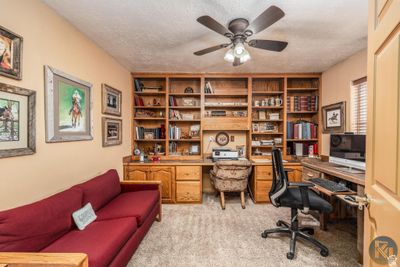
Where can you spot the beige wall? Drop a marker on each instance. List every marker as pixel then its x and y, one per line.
pixel 50 40
pixel 336 82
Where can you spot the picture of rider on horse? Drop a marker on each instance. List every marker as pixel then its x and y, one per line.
pixel 71 108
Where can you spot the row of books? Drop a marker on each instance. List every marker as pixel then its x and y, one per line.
pixel 302 103
pixel 208 88
pixel 301 130
pixel 302 149
pixel 139 101
pixel 148 133
pixel 174 132
pixel 172 101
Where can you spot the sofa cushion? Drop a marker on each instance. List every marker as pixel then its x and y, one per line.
pixel 101 241
pixel 101 189
pixel 138 204
pixel 32 227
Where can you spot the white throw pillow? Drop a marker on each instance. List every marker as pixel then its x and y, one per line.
pixel 84 216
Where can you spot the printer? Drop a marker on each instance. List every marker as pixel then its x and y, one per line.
pixel 224 154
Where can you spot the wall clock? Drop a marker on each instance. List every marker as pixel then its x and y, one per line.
pixel 222 138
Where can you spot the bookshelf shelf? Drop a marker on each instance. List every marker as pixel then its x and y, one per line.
pixel 185 107
pixel 149 107
pixel 302 112
pixel 268 93
pixel 185 94
pixel 268 107
pixel 302 140
pixel 184 140
pixel 267 146
pixel 301 89
pixel 175 120
pixel 226 95
pixel 257 120
pixel 227 106
pixel 150 93
pixel 149 119
pixel 265 133
pixel 149 140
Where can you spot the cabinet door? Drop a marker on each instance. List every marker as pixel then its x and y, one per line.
pixel 136 173
pixel 296 175
pixel 167 177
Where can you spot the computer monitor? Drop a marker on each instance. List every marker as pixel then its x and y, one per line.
pixel 348 150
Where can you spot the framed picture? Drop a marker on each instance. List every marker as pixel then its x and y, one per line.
pixel 112 131
pixel 194 149
pixel 68 107
pixel 17 121
pixel 111 100
pixel 334 118
pixel 10 54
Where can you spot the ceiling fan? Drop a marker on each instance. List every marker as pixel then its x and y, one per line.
pixel 239 30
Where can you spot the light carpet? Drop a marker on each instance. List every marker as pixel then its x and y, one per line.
pixel 205 235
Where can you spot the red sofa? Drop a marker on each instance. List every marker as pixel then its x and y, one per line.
pixel 125 211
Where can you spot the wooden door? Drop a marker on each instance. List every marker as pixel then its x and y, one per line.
pixel 167 177
pixel 136 173
pixel 382 216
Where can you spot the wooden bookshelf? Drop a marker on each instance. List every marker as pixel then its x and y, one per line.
pixel 194 108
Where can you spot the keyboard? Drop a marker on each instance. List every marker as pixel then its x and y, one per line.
pixel 329 185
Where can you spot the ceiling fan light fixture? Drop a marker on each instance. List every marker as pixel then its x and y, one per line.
pixel 245 57
pixel 229 56
pixel 239 49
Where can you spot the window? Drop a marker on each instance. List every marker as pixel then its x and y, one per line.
pixel 359 106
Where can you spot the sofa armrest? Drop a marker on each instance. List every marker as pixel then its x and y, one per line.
pixel 42 259
pixel 133 186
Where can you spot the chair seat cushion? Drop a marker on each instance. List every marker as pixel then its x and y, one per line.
pixel 292 198
pixel 132 204
pixel 101 241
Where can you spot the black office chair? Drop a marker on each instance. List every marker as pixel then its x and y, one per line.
pixel 296 196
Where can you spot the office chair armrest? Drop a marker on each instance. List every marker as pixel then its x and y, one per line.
pixel 304 194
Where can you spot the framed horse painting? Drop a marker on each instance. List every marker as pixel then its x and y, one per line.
pixel 68 107
pixel 17 121
pixel 334 118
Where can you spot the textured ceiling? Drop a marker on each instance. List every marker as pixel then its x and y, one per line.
pixel 161 35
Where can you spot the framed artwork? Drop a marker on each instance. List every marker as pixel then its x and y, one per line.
pixel 222 138
pixel 111 100
pixel 10 54
pixel 334 118
pixel 68 107
pixel 112 131
pixel 17 121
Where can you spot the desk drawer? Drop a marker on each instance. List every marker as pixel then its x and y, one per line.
pixel 188 191
pixel 263 173
pixel 188 173
pixel 262 191
pixel 310 173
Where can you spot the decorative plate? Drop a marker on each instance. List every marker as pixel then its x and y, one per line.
pixel 222 138
pixel 189 90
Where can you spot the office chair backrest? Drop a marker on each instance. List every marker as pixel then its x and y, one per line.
pixel 280 180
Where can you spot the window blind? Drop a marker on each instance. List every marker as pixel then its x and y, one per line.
pixel 359 106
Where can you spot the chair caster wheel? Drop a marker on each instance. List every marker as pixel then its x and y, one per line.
pixel 310 232
pixel 324 253
pixel 290 256
pixel 278 223
pixel 264 235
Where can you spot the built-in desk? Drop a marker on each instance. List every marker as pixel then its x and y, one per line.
pixel 316 168
pixel 185 181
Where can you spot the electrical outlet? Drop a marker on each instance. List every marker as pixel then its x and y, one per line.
pixel 232 138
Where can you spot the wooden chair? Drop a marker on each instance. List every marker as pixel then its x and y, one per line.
pixel 230 176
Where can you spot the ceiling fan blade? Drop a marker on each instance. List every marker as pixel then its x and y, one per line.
pixel 214 25
pixel 271 45
pixel 210 49
pixel 266 19
pixel 237 62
